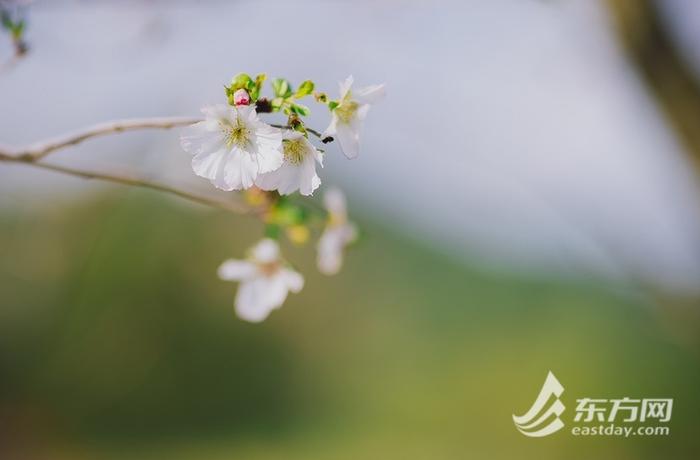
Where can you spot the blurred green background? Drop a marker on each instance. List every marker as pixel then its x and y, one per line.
pixel 117 340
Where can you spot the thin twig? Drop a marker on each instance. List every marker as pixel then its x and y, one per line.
pixel 324 139
pixel 137 182
pixel 39 151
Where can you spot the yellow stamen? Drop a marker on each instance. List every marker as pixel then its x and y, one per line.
pixel 236 133
pixel 295 150
pixel 346 110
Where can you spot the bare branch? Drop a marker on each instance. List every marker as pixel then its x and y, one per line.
pixel 235 207
pixel 39 151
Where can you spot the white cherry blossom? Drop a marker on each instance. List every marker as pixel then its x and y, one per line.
pixel 231 146
pixel 264 279
pixel 348 116
pixel 298 172
pixel 339 233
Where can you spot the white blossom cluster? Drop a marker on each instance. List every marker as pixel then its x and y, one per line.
pixel 235 150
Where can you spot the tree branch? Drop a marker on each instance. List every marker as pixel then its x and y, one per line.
pixel 238 208
pixel 38 151
pixel 32 155
pixel 651 48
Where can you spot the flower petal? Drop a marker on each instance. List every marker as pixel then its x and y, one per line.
pixel 330 252
pixel 212 166
pixel 198 138
pixel 332 127
pixel 308 179
pixel 334 201
pixel 349 140
pixel 240 170
pixel 283 180
pixel 236 270
pixel 330 248
pixel 293 279
pixel 345 86
pixel 370 94
pixel 269 154
pixel 251 302
pixel 361 115
pixel 218 112
pixel 292 177
pixel 266 251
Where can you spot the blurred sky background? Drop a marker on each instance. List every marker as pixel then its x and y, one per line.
pixel 515 131
pixel 526 203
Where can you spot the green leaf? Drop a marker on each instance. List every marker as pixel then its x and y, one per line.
pixel 305 89
pixel 300 109
pixel 333 104
pixel 281 87
pixel 257 86
pixel 277 103
pixel 242 80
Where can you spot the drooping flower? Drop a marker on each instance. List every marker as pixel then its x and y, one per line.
pixel 298 172
pixel 339 232
pixel 265 281
pixel 351 111
pixel 231 146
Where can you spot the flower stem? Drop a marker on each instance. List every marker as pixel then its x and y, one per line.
pixel 324 139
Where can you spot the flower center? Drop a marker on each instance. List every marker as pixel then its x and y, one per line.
pixel 236 133
pixel 268 268
pixel 336 219
pixel 346 110
pixel 294 150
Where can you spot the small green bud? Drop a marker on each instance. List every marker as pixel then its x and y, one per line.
pixel 281 87
pixel 305 89
pixel 333 104
pixel 296 124
pixel 321 97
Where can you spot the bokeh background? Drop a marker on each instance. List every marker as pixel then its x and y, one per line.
pixel 529 201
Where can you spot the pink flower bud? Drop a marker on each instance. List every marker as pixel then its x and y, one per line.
pixel 241 97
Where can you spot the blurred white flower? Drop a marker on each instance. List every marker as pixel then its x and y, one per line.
pixel 338 233
pixel 265 281
pixel 348 116
pixel 298 172
pixel 231 146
